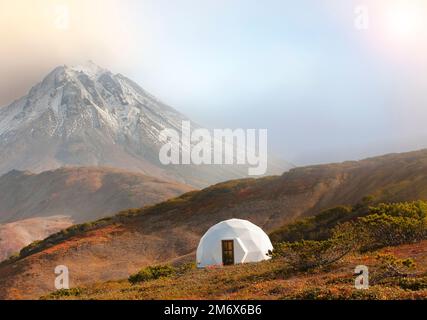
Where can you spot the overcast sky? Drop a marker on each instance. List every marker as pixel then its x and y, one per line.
pixel 325 90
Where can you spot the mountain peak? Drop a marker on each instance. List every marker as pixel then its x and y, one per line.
pixel 85 115
pixel 88 67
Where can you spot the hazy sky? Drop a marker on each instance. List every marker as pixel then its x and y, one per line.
pixel 325 90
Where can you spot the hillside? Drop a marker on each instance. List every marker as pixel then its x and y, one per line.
pixel 16 235
pixel 313 258
pixel 81 193
pixel 33 206
pixel 265 281
pixel 114 248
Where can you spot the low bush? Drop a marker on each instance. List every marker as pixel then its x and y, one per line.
pixel 388 225
pixel 72 292
pixel 152 273
pixel 186 267
pixel 392 268
pixel 308 254
pixel 413 284
pixel 319 227
pixel 376 227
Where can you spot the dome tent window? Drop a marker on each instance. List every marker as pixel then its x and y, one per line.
pixel 233 241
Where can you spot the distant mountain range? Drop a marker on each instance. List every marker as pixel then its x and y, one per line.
pixel 33 206
pixel 87 116
pixel 170 231
pixel 80 193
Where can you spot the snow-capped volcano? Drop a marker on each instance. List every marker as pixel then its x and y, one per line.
pixel 73 102
pixel 86 115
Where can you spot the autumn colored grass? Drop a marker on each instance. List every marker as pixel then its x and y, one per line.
pixel 265 280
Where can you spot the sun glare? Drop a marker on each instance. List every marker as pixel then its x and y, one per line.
pixel 404 21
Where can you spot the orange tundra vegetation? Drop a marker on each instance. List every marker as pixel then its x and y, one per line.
pixel 318 269
pixel 320 209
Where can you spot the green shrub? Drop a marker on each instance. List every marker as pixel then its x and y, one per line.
pixel 184 268
pixel 413 284
pixel 390 225
pixel 347 231
pixel 152 273
pixel 376 226
pixel 390 267
pixel 308 254
pixel 318 227
pixel 32 246
pixel 383 230
pixel 72 292
pixel 416 210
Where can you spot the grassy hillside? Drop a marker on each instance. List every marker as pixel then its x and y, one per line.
pixel 16 235
pixel 397 265
pixel 30 203
pixel 266 280
pixel 168 232
pixel 82 193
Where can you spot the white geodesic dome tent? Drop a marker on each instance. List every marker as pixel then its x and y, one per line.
pixel 231 242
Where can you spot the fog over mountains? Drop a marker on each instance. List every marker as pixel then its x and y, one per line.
pixel 87 116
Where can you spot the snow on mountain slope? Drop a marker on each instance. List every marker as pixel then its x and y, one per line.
pixel 88 116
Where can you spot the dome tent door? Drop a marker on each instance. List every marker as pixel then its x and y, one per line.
pixel 227 252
